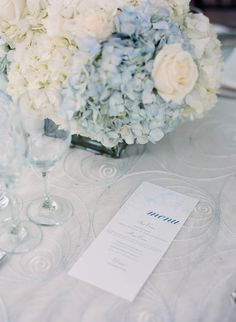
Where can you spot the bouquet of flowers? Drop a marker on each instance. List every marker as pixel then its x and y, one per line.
pixel 128 70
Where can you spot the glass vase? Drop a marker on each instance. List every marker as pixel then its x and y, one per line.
pixel 86 143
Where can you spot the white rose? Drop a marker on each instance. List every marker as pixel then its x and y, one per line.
pixel 174 73
pixel 11 10
pixel 96 18
pixel 95 22
pixel 97 25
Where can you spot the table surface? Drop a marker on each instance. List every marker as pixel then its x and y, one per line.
pixel 195 279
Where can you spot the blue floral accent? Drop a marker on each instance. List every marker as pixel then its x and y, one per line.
pixel 4 63
pixel 113 96
pixel 4 51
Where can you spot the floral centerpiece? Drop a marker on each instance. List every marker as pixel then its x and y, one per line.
pixel 129 70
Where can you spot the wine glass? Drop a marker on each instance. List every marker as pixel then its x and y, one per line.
pixel 5 109
pixel 16 236
pixel 4 200
pixel 48 140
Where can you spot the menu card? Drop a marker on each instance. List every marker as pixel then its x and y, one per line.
pixel 126 252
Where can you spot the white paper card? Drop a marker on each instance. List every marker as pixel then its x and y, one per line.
pixel 126 252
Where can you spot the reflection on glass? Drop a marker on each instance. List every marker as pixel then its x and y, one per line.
pixel 48 141
pixel 16 236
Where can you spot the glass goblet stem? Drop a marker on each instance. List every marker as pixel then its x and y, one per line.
pixel 16 228
pixel 4 201
pixel 48 202
pixel 17 236
pixel 49 210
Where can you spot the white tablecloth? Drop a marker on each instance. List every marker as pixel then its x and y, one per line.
pixel 196 277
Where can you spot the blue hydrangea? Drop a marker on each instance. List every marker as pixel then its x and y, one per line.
pixel 4 51
pixel 113 96
pixel 4 63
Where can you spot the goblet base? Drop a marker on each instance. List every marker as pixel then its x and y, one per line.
pixel 5 209
pixel 4 201
pixel 21 238
pixel 40 212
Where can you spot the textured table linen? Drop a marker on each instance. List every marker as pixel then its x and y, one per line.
pixel 196 277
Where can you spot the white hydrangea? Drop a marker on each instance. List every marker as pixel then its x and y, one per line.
pixel 29 24
pixel 11 10
pixel 42 64
pixel 205 42
pixel 61 18
pixel 49 32
pixel 92 18
pixel 83 18
pixel 179 7
pixel 72 18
